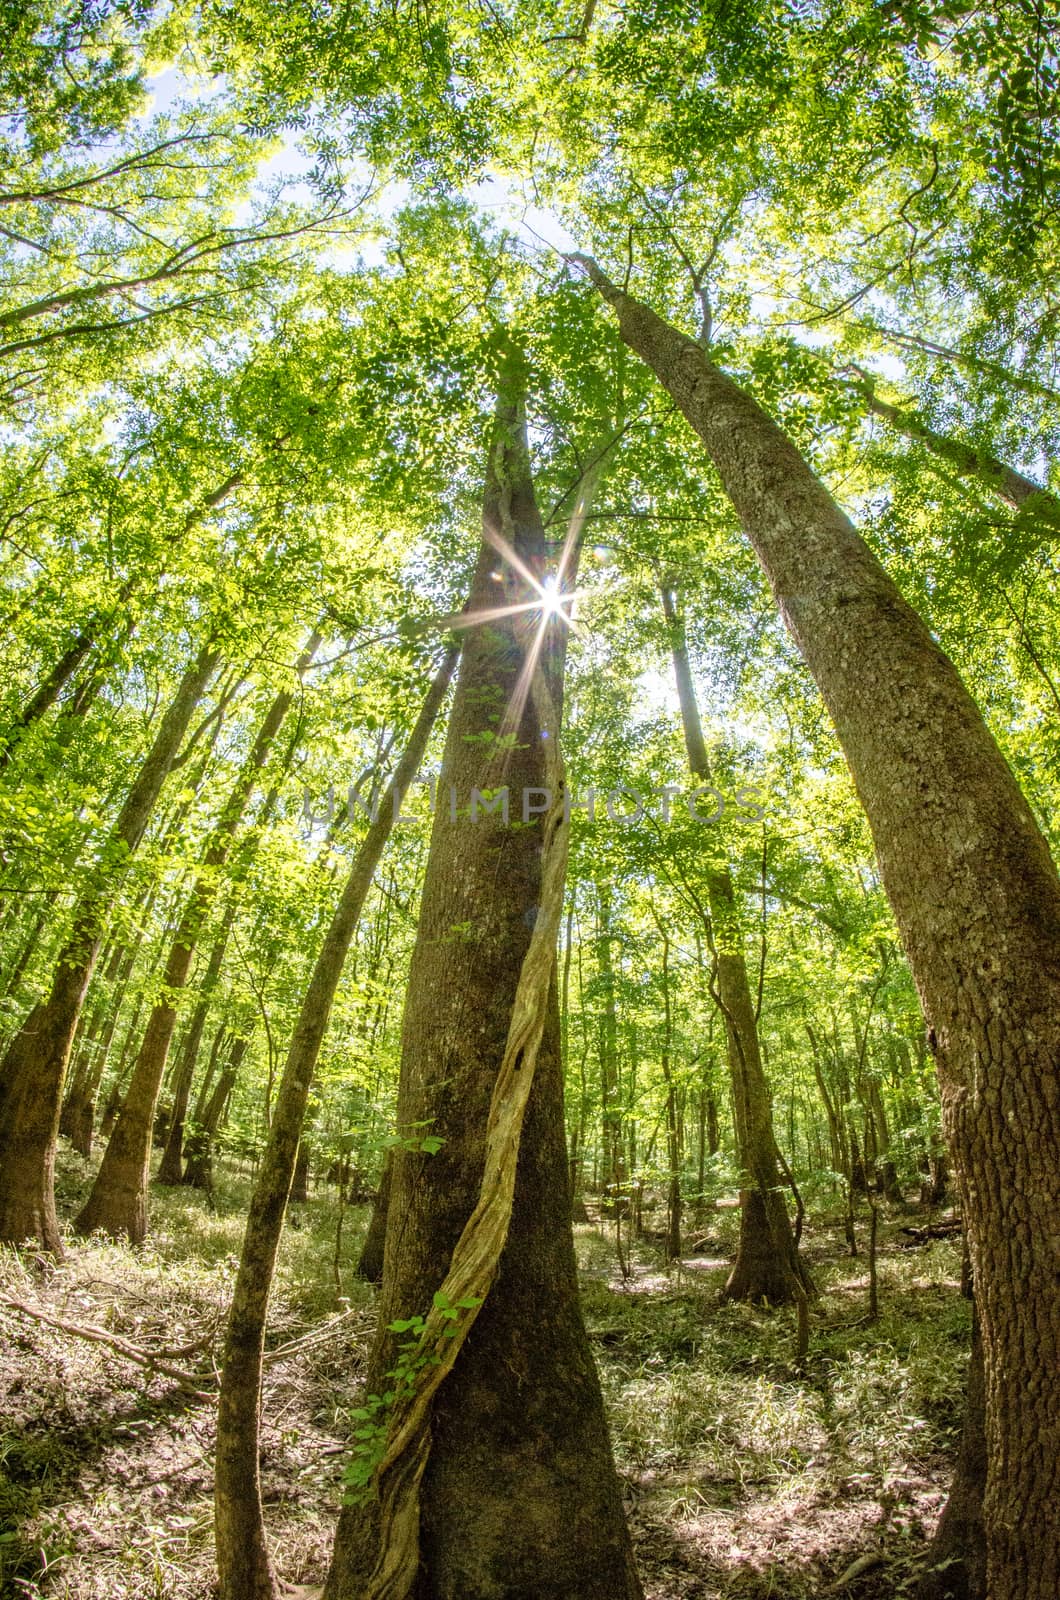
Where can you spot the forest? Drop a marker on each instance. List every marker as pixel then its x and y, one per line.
pixel 529 747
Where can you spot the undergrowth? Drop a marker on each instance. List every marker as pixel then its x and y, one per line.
pixel 743 1476
pixel 770 1479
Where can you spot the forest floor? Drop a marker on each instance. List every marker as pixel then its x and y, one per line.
pixel 744 1478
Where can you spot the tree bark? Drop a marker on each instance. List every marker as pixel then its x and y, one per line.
pixel 956 1559
pixel 767 1265
pixel 34 1064
pixel 933 1193
pixel 370 1264
pixel 171 1167
pixel 243 1561
pixel 967 460
pixel 977 901
pixel 117 1204
pixel 300 1181
pixel 198 1172
pixel 518 1499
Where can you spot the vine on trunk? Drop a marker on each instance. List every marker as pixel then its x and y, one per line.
pixel 440 1335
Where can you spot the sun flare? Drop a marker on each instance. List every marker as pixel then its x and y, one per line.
pixel 553 598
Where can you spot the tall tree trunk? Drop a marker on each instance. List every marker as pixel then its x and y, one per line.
pixel 117 1203
pixel 198 1172
pixel 842 1164
pixel 977 901
pixel 370 1264
pixel 673 1141
pixel 92 1044
pixel 34 1064
pixel 933 1193
pixel 966 460
pixel 171 1167
pixel 767 1265
pixel 82 1058
pixel 300 1181
pixel 83 1111
pixel 202 1099
pixel 518 1499
pixel 576 1134
pixel 614 1168
pixel 890 1188
pixel 117 1088
pixel 170 1170
pixel 242 1550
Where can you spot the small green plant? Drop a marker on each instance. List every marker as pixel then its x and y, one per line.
pixel 427 1144
pixel 373 1417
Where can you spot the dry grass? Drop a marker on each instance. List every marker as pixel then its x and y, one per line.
pixel 750 1479
pixel 744 1478
pixel 106 1477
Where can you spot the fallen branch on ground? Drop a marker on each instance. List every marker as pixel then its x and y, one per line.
pixel 151 1359
pixel 857 1569
pixel 315 1336
pixel 934 1230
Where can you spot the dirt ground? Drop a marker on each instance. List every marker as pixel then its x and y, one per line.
pixel 743 1477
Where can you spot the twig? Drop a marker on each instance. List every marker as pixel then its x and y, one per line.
pixel 857 1569
pixel 315 1336
pixel 130 1352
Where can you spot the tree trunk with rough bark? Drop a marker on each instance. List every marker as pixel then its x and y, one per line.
pixel 518 1499
pixel 198 1170
pixel 243 1561
pixel 966 460
pixel 117 1204
pixel 34 1064
pixel 977 901
pixel 300 1181
pixel 767 1265
pixel 370 1263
